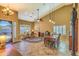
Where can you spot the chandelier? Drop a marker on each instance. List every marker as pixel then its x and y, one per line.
pixel 50 17
pixel 7 11
pixel 51 21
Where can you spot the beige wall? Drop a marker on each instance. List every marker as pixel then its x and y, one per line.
pixel 60 16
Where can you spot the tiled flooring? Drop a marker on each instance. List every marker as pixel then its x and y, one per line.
pixel 29 48
pixel 38 49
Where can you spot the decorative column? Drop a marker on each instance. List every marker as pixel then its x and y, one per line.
pixel 78 30
pixel 74 17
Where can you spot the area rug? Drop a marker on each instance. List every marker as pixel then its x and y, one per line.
pixel 34 39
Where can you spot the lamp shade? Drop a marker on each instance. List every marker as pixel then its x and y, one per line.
pixel 2 41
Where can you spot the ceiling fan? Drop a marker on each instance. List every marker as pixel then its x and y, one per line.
pixel 38 19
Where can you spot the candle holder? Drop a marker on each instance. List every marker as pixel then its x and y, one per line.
pixel 2 41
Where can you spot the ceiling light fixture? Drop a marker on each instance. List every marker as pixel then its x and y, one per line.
pixel 50 21
pixel 38 15
pixel 37 19
pixel 50 18
pixel 53 22
pixel 7 11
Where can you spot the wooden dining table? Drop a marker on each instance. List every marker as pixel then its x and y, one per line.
pixel 46 39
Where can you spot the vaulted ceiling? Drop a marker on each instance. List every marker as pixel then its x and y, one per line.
pixel 28 11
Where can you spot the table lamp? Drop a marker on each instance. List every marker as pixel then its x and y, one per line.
pixel 2 41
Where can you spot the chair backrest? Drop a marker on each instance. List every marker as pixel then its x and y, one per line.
pixel 59 37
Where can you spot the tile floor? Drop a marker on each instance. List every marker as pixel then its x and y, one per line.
pixel 38 49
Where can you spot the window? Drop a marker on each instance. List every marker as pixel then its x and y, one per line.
pixel 6 28
pixel 14 31
pixel 59 29
pixel 25 28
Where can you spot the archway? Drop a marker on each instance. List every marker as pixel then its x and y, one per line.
pixel 6 28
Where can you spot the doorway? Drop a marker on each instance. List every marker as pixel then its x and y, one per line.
pixel 6 28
